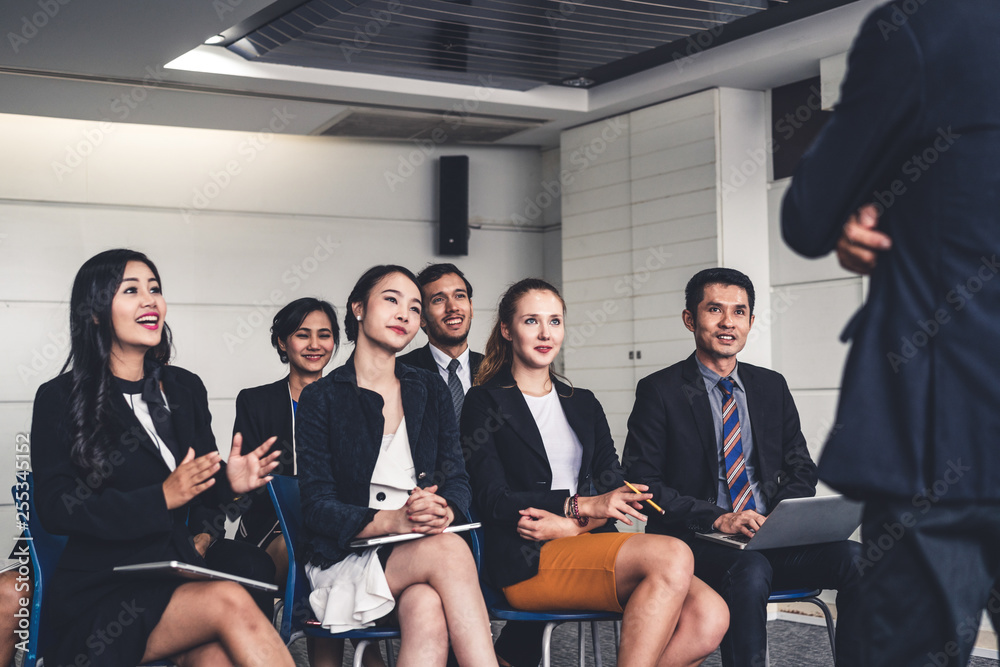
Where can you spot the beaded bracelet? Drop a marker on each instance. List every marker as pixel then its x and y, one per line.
pixel 575 510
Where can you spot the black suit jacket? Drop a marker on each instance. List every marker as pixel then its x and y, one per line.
pixel 263 412
pixel 509 470
pixel 918 131
pixel 671 445
pixel 338 433
pixel 118 515
pixel 422 358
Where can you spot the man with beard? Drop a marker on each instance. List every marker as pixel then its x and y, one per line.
pixel 446 318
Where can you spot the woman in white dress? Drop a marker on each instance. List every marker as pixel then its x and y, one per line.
pixel 378 453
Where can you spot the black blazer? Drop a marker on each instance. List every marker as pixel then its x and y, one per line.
pixel 671 445
pixel 917 130
pixel 262 412
pixel 119 516
pixel 338 432
pixel 510 471
pixel 422 358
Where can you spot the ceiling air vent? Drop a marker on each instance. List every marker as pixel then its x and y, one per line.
pixel 448 127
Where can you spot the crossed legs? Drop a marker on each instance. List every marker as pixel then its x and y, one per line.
pixel 435 582
pixel 671 619
pixel 215 623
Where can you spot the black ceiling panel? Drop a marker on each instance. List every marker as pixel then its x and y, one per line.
pixel 514 44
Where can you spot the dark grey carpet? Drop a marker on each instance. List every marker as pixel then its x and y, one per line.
pixel 791 645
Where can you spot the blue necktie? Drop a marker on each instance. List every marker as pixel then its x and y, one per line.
pixel 732 450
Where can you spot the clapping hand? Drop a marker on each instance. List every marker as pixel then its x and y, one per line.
pixel 247 472
pixel 190 477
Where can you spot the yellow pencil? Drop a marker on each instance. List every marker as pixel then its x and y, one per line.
pixel 655 506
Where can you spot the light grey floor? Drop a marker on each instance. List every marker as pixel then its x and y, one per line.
pixel 791 645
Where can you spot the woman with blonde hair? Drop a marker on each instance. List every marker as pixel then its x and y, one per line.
pixel 549 488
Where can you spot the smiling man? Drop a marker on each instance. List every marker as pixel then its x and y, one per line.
pixel 446 319
pixel 719 444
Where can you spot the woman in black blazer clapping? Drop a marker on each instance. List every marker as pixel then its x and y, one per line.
pixel 548 484
pixel 126 465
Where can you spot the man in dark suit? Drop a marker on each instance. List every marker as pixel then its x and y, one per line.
pixel 911 150
pixel 719 445
pixel 446 319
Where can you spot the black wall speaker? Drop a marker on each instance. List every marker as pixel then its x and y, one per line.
pixel 453 205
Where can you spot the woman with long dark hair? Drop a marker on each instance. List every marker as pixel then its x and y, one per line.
pixel 378 453
pixel 549 487
pixel 125 464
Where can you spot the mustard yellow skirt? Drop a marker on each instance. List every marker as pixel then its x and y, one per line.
pixel 573 573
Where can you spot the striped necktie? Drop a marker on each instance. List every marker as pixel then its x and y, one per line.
pixel 455 387
pixel 732 450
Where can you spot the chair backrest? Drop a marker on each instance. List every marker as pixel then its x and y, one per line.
pixel 44 549
pixel 284 492
pixel 491 595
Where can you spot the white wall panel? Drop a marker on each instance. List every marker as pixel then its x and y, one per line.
pixel 787 266
pixel 304 217
pixel 807 349
pixel 596 222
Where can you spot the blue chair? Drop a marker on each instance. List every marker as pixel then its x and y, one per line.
pixel 811 596
pixel 297 619
pixel 44 550
pixel 500 609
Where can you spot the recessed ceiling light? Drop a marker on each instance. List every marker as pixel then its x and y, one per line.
pixel 579 82
pixel 215 39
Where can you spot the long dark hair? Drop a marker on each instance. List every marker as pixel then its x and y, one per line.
pixel 288 320
pixel 499 355
pixel 363 289
pixel 91 335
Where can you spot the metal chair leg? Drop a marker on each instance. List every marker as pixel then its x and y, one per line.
pixel 390 655
pixel 829 624
pixel 595 638
pixel 547 644
pixel 581 656
pixel 359 652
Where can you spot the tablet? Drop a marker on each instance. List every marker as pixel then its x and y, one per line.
pixel 175 568
pixel 405 537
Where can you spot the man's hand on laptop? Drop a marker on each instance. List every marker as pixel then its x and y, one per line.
pixel 746 522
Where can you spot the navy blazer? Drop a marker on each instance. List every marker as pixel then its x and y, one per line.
pixel 917 131
pixel 338 433
pixel 422 358
pixel 671 445
pixel 510 470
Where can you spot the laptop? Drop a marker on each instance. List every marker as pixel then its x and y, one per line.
pixel 797 522
pixel 175 568
pixel 403 537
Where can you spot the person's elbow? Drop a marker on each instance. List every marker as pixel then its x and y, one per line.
pixel 800 229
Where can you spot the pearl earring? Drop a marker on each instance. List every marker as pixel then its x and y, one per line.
pixel 359 318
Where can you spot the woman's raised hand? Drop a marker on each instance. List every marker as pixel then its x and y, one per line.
pixel 190 477
pixel 619 504
pixel 247 472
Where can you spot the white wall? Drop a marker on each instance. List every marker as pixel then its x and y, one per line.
pixel 238 224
